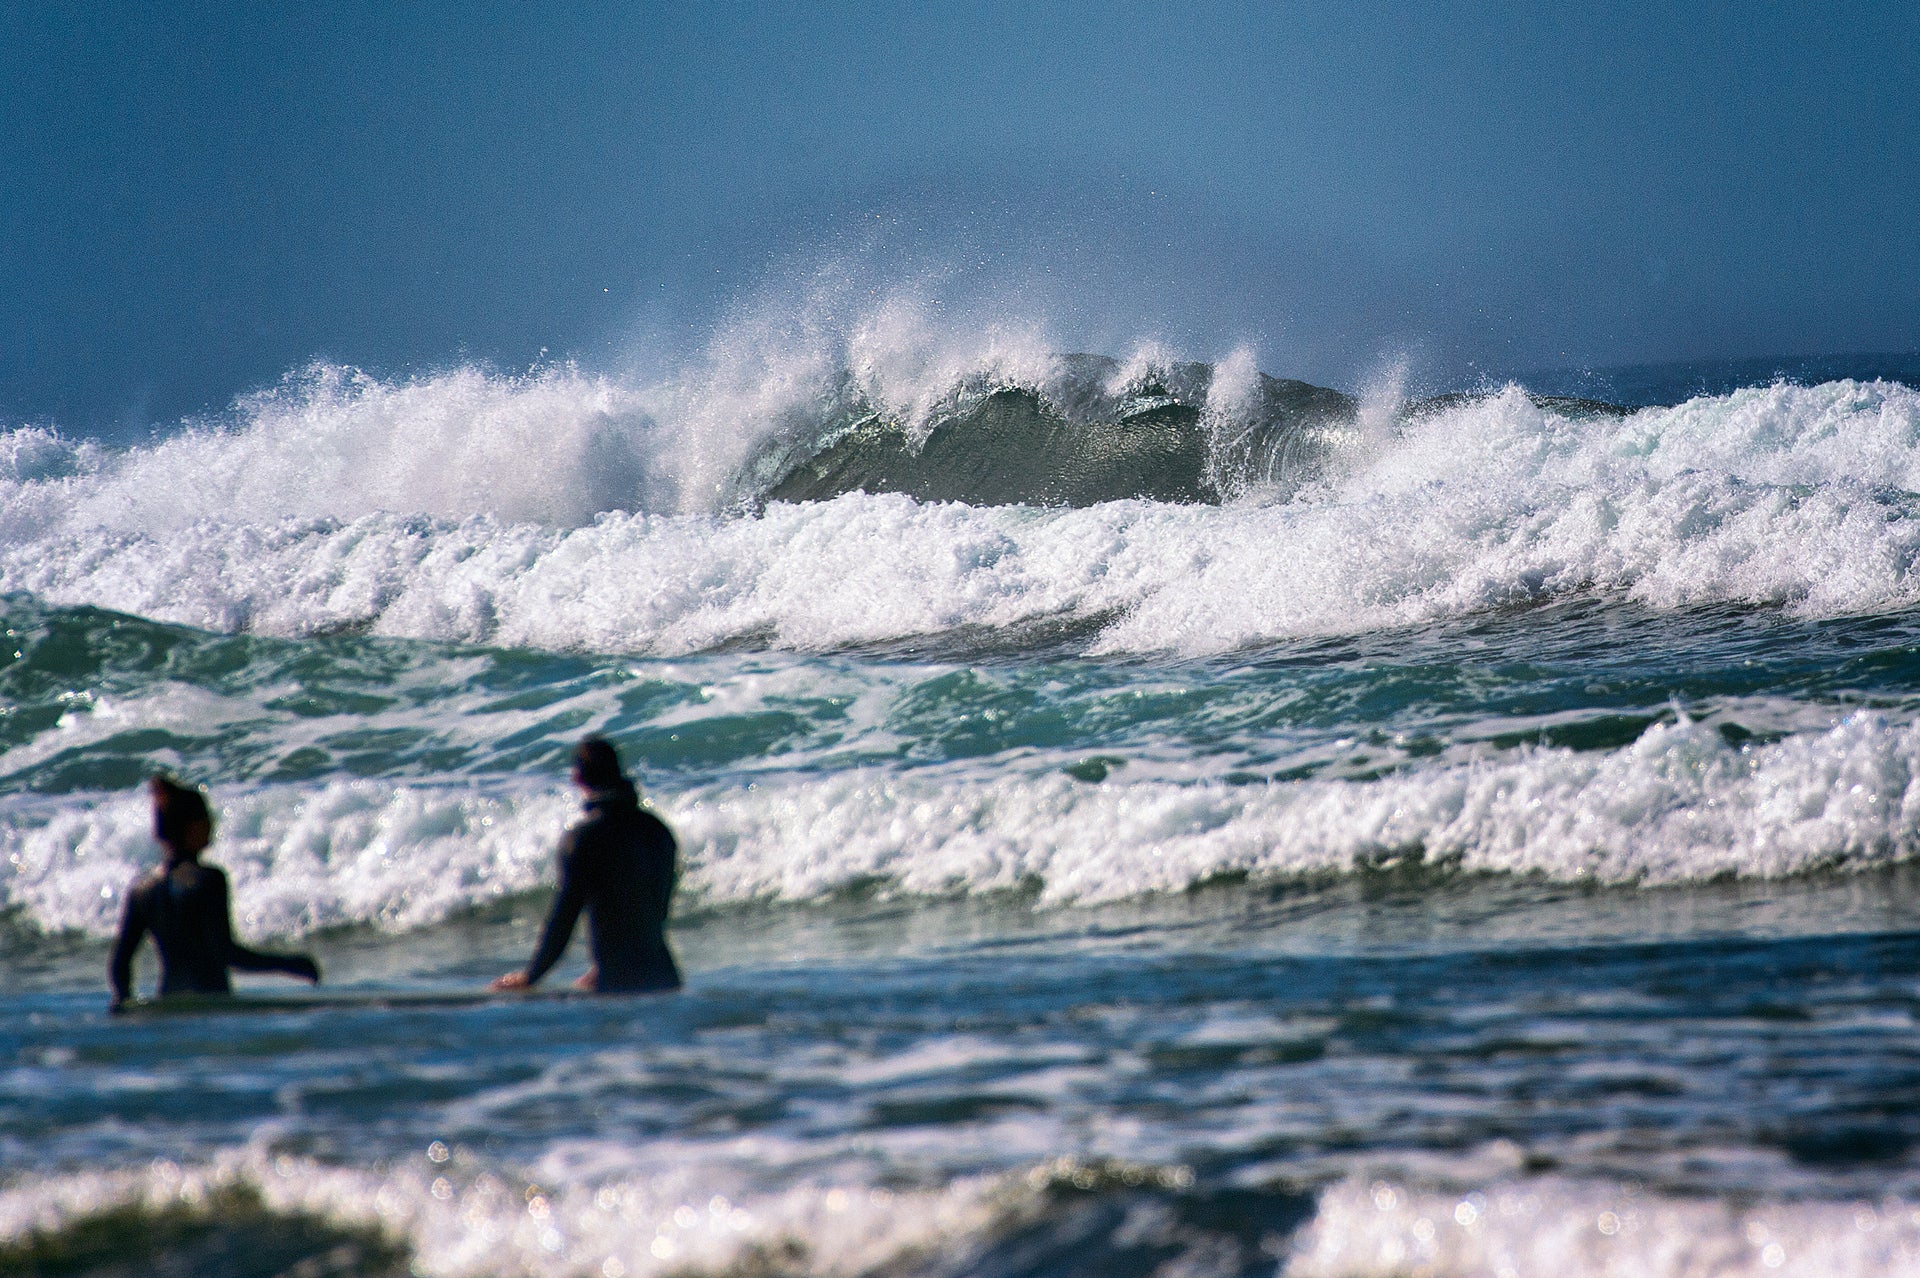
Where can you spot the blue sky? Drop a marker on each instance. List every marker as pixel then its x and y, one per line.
pixel 197 198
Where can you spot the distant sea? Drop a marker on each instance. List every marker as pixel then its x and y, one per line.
pixel 1138 817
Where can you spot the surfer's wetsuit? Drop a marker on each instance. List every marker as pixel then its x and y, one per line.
pixel 185 906
pixel 619 865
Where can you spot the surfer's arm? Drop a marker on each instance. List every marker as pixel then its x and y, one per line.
pixel 246 960
pixel 568 900
pixel 250 960
pixel 133 930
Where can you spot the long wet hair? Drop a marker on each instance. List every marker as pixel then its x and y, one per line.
pixel 176 808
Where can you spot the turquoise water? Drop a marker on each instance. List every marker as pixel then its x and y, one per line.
pixel 1490 852
pixel 1582 675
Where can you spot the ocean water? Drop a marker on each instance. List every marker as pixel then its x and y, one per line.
pixel 1259 831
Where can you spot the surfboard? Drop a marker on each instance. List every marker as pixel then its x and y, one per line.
pixel 252 1003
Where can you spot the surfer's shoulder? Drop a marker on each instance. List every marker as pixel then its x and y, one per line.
pixel 197 875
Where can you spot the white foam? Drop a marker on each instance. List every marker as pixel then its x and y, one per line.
pixel 1679 805
pixel 1573 1229
pixel 553 446
pixel 569 1217
pixel 463 1218
pixel 457 508
pixel 1499 502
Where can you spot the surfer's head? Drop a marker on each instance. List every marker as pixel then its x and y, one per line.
pixel 181 819
pixel 596 766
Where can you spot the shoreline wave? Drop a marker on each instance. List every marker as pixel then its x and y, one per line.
pixel 446 1218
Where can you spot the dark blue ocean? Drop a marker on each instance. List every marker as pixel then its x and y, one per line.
pixel 1138 818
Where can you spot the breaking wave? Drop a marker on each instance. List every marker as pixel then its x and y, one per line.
pixel 257 1213
pixel 1159 506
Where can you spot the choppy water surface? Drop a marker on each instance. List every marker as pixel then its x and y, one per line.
pixel 1472 837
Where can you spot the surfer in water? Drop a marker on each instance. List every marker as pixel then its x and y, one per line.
pixel 618 864
pixel 185 905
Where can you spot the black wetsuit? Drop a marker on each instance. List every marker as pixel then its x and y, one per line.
pixel 185 906
pixel 617 864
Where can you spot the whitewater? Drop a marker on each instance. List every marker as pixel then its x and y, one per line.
pixel 1137 815
pixel 513 512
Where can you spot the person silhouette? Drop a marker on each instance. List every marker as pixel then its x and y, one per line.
pixel 619 865
pixel 186 907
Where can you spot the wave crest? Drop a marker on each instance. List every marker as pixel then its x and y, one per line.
pixel 564 511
